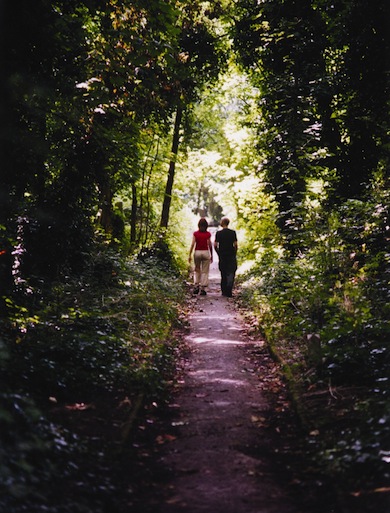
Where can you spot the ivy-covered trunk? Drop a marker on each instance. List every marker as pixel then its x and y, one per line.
pixel 172 166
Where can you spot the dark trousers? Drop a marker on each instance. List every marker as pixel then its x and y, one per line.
pixel 228 271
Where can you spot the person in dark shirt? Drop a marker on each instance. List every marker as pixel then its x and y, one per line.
pixel 225 245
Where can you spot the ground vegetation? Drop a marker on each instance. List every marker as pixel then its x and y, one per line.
pixel 122 123
pixel 319 284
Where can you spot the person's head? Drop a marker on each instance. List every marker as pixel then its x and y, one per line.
pixel 225 222
pixel 203 224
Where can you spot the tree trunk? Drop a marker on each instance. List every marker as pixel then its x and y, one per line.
pixel 171 172
pixel 134 208
pixel 106 196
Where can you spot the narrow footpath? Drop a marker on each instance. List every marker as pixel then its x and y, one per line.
pixel 222 457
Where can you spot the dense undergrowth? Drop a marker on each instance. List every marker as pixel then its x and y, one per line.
pixel 325 315
pixel 105 337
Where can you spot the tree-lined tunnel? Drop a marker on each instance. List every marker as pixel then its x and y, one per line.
pixel 122 123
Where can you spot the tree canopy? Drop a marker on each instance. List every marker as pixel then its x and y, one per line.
pixel 123 121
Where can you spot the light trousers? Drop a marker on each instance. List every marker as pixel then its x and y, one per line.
pixel 202 267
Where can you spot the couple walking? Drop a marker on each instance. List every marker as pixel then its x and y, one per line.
pixel 225 245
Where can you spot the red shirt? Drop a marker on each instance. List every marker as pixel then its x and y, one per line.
pixel 201 239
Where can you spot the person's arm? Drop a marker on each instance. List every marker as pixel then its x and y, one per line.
pixel 235 243
pixel 211 249
pixel 216 245
pixel 191 248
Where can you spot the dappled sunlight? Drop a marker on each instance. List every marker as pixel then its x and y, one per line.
pixel 210 372
pixel 215 376
pixel 214 315
pixel 216 341
pixel 222 404
pixel 123 127
pixel 232 382
pixel 224 341
pixel 222 328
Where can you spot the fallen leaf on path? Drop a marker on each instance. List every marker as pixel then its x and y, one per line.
pixel 80 406
pixel 259 421
pixel 125 402
pixel 189 470
pixel 174 500
pixel 162 439
pixel 384 489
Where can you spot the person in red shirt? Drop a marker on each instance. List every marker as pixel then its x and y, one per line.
pixel 203 256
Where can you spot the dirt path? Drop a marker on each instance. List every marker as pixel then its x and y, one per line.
pixel 222 459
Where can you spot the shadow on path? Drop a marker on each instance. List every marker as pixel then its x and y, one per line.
pixel 221 460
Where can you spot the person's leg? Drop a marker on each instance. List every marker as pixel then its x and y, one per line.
pixel 228 270
pixel 198 271
pixel 229 283
pixel 223 270
pixel 223 282
pixel 205 268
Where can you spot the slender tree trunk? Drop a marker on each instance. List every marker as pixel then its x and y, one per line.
pixel 171 172
pixel 147 197
pixel 134 208
pixel 141 203
pixel 106 196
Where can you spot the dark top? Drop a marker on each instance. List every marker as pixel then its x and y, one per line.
pixel 226 239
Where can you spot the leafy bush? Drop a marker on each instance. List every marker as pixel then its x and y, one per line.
pixel 108 331
pixel 337 289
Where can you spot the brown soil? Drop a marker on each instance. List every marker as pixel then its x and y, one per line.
pixel 230 442
pixel 226 440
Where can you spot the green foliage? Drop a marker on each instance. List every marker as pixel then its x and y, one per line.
pixel 89 91
pixel 108 332
pixel 317 118
pixel 319 287
pixel 216 176
pixel 337 291
pixel 96 82
pixel 85 337
pixel 297 154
